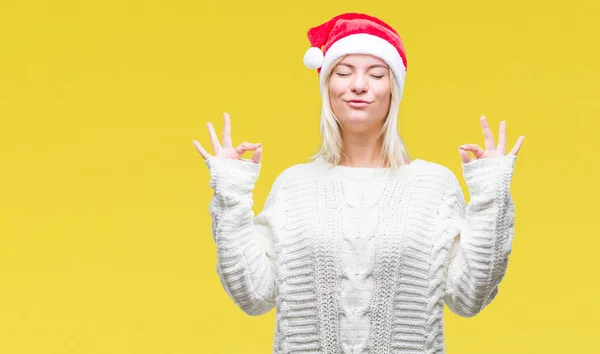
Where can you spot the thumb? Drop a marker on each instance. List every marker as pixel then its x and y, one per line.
pixel 256 156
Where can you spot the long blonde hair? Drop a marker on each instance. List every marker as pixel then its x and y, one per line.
pixel 393 151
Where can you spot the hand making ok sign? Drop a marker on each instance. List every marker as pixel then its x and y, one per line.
pixel 227 150
pixel 491 150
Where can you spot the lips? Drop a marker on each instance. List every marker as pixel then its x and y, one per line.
pixel 358 103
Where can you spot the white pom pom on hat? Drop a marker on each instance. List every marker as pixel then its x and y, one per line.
pixel 313 58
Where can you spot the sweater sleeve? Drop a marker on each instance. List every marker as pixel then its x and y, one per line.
pixel 244 243
pixel 482 233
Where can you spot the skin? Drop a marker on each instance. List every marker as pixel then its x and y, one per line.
pixel 491 149
pixel 226 149
pixel 366 78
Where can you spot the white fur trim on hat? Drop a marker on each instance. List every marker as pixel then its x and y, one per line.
pixel 362 43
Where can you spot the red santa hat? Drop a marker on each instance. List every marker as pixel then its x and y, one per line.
pixel 354 33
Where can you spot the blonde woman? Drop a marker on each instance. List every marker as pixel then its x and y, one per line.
pixel 359 249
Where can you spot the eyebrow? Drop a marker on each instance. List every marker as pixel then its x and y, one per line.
pixel 370 67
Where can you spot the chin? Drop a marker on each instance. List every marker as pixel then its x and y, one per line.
pixel 357 115
pixel 357 124
pixel 359 121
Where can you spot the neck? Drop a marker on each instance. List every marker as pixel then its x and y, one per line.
pixel 361 149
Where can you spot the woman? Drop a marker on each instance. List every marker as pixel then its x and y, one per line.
pixel 359 249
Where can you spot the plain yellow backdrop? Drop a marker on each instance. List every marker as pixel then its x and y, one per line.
pixel 105 241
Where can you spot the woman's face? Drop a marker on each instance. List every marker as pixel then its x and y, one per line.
pixel 359 92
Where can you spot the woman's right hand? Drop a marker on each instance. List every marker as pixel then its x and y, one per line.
pixel 227 150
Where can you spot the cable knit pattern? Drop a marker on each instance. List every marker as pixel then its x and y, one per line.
pixel 362 260
pixel 361 211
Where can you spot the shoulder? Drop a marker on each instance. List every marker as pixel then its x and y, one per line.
pixel 443 176
pixel 304 170
pixel 292 174
pixel 435 169
pixel 446 186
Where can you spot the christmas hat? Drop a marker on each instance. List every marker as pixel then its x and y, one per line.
pixel 355 33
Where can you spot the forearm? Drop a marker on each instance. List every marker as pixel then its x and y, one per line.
pixel 244 264
pixel 479 257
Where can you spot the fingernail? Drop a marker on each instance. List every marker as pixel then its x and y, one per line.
pixel 259 144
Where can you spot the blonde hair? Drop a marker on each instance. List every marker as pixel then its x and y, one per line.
pixel 393 152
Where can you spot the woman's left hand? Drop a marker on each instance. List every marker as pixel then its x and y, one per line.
pixel 491 150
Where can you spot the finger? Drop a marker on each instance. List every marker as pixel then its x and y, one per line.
pixel 246 146
pixel 465 157
pixel 226 131
pixel 474 148
pixel 256 156
pixel 213 138
pixel 201 150
pixel 487 134
pixel 502 138
pixel 515 149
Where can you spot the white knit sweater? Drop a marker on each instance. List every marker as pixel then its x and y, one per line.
pixel 361 260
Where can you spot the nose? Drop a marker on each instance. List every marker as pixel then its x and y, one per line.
pixel 359 84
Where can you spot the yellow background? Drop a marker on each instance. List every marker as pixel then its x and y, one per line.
pixel 105 243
